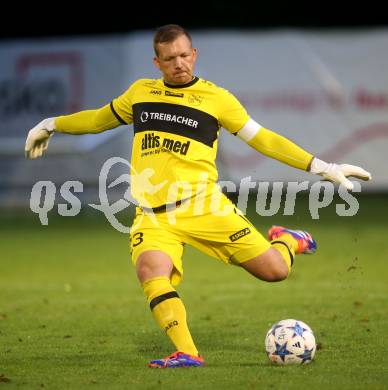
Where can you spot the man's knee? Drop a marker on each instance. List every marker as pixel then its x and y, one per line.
pixel 269 266
pixel 277 274
pixel 153 263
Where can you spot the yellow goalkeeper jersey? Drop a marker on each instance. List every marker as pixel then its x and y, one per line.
pixel 176 131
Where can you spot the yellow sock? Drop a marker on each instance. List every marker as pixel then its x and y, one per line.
pixel 286 245
pixel 170 313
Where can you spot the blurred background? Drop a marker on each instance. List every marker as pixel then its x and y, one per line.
pixel 72 314
pixel 313 75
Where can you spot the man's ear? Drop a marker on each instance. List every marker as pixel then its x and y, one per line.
pixel 156 62
pixel 195 54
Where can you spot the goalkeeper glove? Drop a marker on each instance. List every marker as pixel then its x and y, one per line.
pixel 338 173
pixel 38 138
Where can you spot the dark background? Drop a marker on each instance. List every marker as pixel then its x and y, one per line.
pixel 62 18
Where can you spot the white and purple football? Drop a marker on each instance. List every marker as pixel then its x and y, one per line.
pixel 290 342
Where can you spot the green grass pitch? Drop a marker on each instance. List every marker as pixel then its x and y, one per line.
pixel 72 315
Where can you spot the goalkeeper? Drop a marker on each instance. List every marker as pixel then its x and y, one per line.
pixel 176 121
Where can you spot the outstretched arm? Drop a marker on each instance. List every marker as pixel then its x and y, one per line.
pixel 274 145
pixel 280 148
pixel 83 122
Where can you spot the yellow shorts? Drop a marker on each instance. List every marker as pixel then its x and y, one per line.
pixel 221 231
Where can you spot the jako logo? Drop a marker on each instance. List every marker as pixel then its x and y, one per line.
pixel 170 325
pixel 239 234
pixel 144 116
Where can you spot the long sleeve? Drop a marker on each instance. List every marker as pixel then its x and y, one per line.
pixel 274 145
pixel 88 121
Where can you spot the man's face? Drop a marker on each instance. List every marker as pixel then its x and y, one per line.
pixel 176 60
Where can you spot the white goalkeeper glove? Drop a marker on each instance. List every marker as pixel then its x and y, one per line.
pixel 338 173
pixel 38 138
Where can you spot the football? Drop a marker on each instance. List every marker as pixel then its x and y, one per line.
pixel 290 342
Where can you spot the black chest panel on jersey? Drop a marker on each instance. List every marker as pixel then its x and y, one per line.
pixel 175 119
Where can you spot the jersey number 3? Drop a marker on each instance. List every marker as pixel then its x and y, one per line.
pixel 137 239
